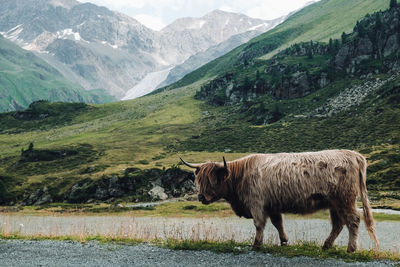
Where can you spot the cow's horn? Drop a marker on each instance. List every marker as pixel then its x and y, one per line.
pixel 194 166
pixel 225 165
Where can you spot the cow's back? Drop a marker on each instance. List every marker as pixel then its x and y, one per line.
pixel 300 182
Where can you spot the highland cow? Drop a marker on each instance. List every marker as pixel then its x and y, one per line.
pixel 259 186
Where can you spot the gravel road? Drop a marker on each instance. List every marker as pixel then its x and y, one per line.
pixel 69 253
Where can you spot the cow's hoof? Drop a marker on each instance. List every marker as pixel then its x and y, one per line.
pixel 256 247
pixel 325 247
pixel 351 249
pixel 284 243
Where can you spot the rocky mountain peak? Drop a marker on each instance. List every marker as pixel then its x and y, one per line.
pixel 218 24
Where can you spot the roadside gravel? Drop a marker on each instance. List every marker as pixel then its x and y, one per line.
pixel 70 253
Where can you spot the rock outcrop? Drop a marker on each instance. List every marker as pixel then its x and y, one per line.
pixel 133 185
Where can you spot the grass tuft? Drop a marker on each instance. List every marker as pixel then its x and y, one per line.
pixel 307 249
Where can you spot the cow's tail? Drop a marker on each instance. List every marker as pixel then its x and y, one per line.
pixel 368 218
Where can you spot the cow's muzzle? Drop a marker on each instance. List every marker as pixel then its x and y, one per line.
pixel 203 200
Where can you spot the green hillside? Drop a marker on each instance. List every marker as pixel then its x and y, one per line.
pixel 318 22
pixel 75 146
pixel 25 78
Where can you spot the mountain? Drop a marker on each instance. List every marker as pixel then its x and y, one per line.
pixel 281 104
pixel 97 48
pixel 198 34
pixel 229 24
pixel 201 58
pixel 90 45
pixel 25 78
pixel 318 22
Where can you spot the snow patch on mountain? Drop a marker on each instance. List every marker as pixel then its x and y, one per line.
pixel 196 25
pixel 258 26
pixel 68 33
pixel 107 43
pixel 148 84
pixel 13 33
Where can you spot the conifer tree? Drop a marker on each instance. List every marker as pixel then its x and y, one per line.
pixel 378 22
pixel 310 50
pixel 309 53
pixel 361 29
pixel 344 38
pixel 336 45
pixel 393 3
pixel 330 47
pixel 246 83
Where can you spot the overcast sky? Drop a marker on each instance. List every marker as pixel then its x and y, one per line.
pixel 156 14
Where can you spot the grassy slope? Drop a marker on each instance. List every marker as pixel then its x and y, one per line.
pixel 319 22
pixel 328 19
pixel 25 78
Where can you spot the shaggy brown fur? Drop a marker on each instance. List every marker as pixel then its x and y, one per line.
pixel 266 185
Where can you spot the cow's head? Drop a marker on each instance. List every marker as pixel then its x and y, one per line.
pixel 210 179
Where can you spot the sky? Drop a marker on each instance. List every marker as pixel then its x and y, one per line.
pixel 156 14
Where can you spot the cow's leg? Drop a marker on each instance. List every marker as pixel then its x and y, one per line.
pixel 337 226
pixel 277 221
pixel 259 223
pixel 352 218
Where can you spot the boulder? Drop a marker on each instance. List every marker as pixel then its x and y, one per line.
pixel 392 45
pixel 323 81
pixel 33 197
pixel 157 193
pixel 44 199
pixel 364 47
pixel 342 56
pixel 101 193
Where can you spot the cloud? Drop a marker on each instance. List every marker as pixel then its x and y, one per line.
pixel 151 22
pixel 158 12
pixel 226 8
pixel 155 4
pixel 269 9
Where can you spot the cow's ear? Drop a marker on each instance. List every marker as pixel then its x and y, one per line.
pixel 222 173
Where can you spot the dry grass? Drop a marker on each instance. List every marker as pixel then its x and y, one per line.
pixel 114 227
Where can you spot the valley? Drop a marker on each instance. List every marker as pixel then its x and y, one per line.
pixel 201 121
